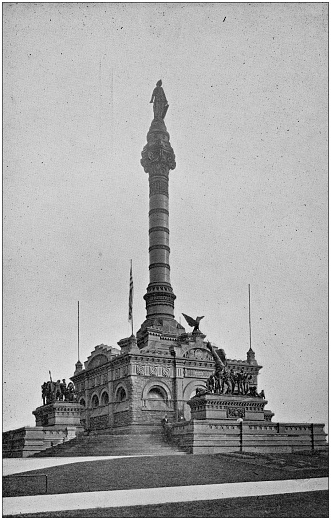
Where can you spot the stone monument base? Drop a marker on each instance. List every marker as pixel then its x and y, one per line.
pixel 232 407
pixel 56 423
pixel 58 413
pixel 219 436
pixel 222 424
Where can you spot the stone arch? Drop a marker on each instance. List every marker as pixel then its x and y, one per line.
pixel 95 401
pixel 188 392
pixel 82 402
pixel 121 393
pixel 104 398
pixel 198 352
pixel 156 396
pixel 121 398
pixel 158 385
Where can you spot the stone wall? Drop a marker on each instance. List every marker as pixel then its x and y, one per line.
pixel 28 441
pixel 210 436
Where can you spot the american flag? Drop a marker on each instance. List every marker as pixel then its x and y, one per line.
pixel 131 295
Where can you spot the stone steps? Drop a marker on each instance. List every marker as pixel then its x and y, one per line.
pixel 98 445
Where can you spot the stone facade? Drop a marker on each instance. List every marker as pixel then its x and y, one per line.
pixel 136 387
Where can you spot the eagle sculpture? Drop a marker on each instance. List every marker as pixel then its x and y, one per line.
pixel 193 322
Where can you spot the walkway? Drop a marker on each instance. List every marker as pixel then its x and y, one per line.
pixel 20 465
pixel 135 497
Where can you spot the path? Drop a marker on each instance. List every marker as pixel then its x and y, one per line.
pixel 20 465
pixel 135 497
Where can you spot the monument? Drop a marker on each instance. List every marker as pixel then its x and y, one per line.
pixel 57 421
pixel 159 369
pixel 211 403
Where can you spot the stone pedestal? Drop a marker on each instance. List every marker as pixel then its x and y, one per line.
pixel 56 423
pixel 231 407
pixel 58 414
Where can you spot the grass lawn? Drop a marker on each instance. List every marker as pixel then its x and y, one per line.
pixel 293 505
pixel 186 470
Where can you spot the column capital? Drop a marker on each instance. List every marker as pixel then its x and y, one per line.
pixel 158 156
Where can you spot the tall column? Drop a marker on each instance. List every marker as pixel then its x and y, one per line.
pixel 158 159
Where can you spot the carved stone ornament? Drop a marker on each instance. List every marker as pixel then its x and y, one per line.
pixel 166 371
pixel 236 412
pixel 140 370
pixel 158 156
pixel 153 370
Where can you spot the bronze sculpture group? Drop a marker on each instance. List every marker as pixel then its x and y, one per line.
pixel 58 391
pixel 227 381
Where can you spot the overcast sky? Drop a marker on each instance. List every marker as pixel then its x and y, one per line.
pixel 248 121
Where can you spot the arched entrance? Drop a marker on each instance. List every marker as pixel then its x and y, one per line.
pixel 189 392
pixel 157 398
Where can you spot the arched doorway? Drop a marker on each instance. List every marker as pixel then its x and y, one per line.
pixel 189 392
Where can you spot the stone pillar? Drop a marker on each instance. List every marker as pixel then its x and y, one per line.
pixel 251 357
pixel 157 159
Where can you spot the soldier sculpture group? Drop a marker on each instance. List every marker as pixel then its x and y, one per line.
pixel 227 381
pixel 56 391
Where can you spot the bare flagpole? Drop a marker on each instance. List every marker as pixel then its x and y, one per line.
pixel 249 316
pixel 131 299
pixel 78 331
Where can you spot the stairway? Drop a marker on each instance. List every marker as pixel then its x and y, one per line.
pixel 113 444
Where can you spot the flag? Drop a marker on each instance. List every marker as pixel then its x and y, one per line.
pixel 131 295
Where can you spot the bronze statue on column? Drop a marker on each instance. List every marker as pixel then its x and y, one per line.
pixel 159 100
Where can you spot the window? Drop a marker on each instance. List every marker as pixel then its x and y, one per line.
pixel 104 398
pixel 95 401
pixel 121 395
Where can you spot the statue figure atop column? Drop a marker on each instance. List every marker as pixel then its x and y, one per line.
pixel 158 155
pixel 159 100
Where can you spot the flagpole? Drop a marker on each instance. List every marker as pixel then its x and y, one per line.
pixel 78 332
pixel 249 316
pixel 131 298
pixel 132 301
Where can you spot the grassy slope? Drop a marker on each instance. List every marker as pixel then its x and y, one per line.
pixel 145 472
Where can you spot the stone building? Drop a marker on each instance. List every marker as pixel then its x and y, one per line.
pixel 158 370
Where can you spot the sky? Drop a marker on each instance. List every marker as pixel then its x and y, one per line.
pixel 247 86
